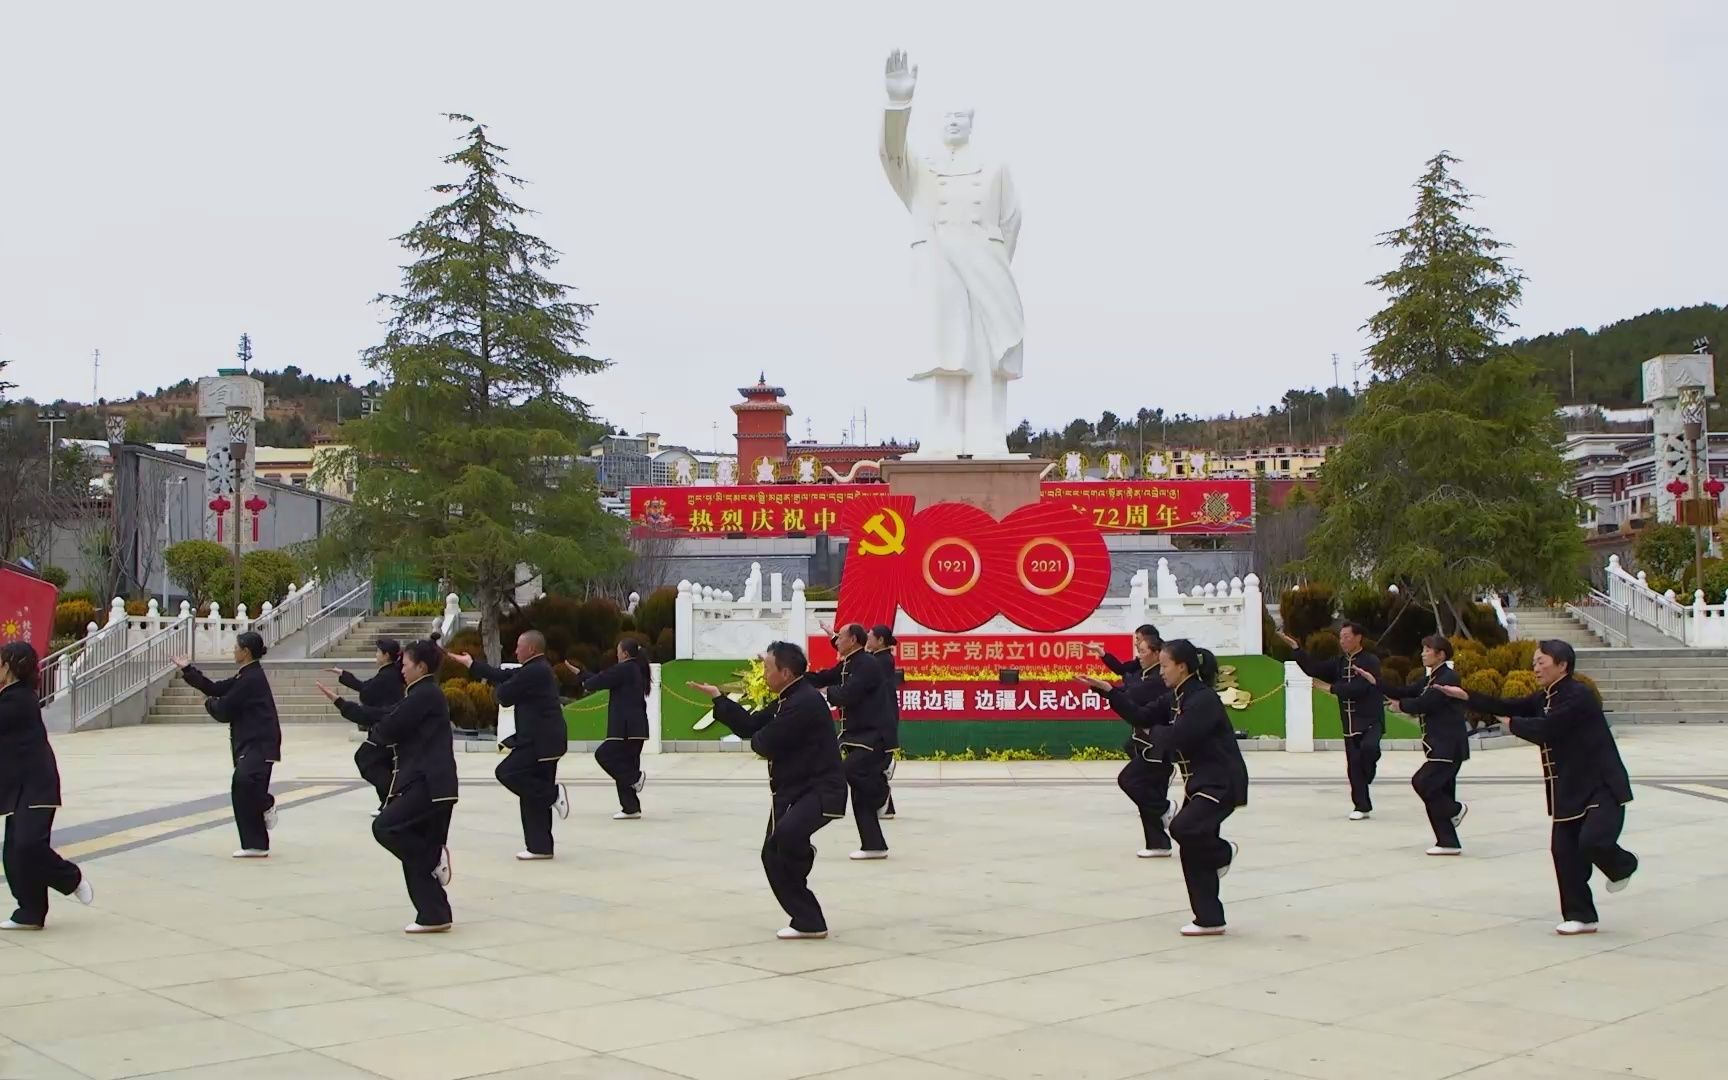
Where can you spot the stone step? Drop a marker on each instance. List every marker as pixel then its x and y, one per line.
pixel 1696 684
pixel 1708 698
pixel 1655 716
pixel 285 718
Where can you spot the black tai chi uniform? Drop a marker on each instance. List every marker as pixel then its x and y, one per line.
pixel 382 690
pixel 1445 749
pixel 1201 741
pixel 1585 784
pixel 29 796
pixel 859 688
pixel 531 769
pixel 247 706
pixel 1361 708
pixel 1143 701
pixel 807 784
pixel 415 823
pixel 891 676
pixel 620 755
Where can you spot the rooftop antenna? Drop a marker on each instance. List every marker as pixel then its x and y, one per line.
pixel 95 375
pixel 1335 370
pixel 244 353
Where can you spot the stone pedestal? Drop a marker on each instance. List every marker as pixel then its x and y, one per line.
pixel 998 487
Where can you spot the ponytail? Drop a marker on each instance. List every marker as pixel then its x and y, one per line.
pixel 1202 663
pixel 632 650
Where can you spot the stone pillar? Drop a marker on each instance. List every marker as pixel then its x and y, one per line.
pixel 1664 377
pixel 1298 710
pixel 216 395
pixel 655 696
pixel 997 487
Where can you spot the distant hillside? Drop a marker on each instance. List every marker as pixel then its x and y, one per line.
pixel 1608 362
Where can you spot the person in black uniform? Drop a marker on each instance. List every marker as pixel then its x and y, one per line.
pixel 620 755
pixel 382 690
pixel 1201 741
pixel 531 769
pixel 859 688
pixel 1142 701
pixel 415 822
pixel 881 646
pixel 1361 707
pixel 1445 741
pixel 29 796
pixel 805 779
pixel 1586 785
pixel 247 706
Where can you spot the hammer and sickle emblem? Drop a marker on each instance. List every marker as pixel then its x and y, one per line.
pixel 890 539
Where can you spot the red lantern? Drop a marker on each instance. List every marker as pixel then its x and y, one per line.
pixel 1678 487
pixel 256 505
pixel 1713 487
pixel 221 505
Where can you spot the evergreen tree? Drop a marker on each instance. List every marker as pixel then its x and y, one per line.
pixel 1450 480
pixel 466 471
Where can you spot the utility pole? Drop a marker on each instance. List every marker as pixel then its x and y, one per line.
pixel 95 376
pixel 1572 374
pixel 1335 369
pixel 51 416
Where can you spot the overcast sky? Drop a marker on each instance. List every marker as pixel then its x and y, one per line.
pixel 1202 184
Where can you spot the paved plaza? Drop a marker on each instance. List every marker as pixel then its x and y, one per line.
pixel 1012 934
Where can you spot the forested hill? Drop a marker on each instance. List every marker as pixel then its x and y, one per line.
pixel 1609 361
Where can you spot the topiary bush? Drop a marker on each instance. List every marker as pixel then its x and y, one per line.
pixel 55 576
pixel 1502 658
pixel 1305 609
pixel 461 705
pixel 658 611
pixel 1519 684
pixel 72 618
pixel 1462 644
pixel 1486 682
pixel 204 571
pixel 1483 624
pixel 1270 643
pixel 666 647
pixel 265 576
pixel 1395 670
pixel 598 623
pixel 1595 691
pixel 1322 645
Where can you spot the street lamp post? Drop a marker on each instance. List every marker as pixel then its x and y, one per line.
pixel 1692 424
pixel 239 428
pixel 116 426
pixel 168 530
pixel 51 416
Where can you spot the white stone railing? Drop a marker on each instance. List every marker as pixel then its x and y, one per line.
pixel 1699 624
pixel 277 621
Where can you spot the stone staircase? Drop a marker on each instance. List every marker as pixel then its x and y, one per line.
pixel 359 641
pixel 1543 624
pixel 293 682
pixel 1660 686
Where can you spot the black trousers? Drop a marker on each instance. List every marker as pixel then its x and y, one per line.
pixel 1436 784
pixel 622 761
pixel 788 856
pixel 1361 761
pixel 1590 841
pixel 1148 784
pixel 250 792
pixel 376 765
pixel 1204 853
pixel 535 785
pixel 867 781
pixel 414 829
pixel 33 866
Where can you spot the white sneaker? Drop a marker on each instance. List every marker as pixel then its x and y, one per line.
pixel 860 856
pixel 1152 853
pixel 84 894
pixel 789 934
pixel 10 925
pixel 885 816
pixel 1358 815
pixel 625 815
pixel 269 819
pixel 562 806
pixel 1438 850
pixel 250 853
pixel 1235 850
pixel 442 873
pixel 1459 819
pixel 641 782
pixel 1573 926
pixel 378 811
pixel 530 856
pixel 1192 930
pixel 416 928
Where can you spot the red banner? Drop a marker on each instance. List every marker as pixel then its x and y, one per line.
pixel 1171 506
pixel 971 656
pixel 26 609
pixel 1023 701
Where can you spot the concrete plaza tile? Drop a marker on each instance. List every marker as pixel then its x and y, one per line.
pixel 670 974
pixel 1529 1067
pixel 1700 1016
pixel 596 1067
pixel 194 968
pixel 159 1049
pixel 60 984
pixel 352 948
pixel 453 1053
pixel 1190 970
pixel 1344 1054
pixel 762 1053
pixel 21 961
pixel 907 1027
pixel 1034 955
pixel 281 931
pixel 1039 1053
pixel 908 976
pixel 99 1015
pixel 1502 1029
pixel 783 997
pixel 314 1026
pixel 1587 993
pixel 1302 995
pixel 696 936
pixel 258 993
pixel 22 1063
pixel 1632 1049
pixel 114 940
pixel 521 995
pixel 625 1024
pixel 299 1065
pixel 1215 1069
pixel 562 951
pixel 774 956
pixel 1190 1026
pixel 1051 999
pixel 425 972
pixel 898 1069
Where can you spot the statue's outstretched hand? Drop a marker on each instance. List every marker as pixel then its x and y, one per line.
pixel 902 80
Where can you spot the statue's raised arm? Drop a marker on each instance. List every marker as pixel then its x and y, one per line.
pixel 901 81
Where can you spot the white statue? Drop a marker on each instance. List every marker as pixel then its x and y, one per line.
pixel 1073 466
pixel 965 223
pixel 726 472
pixel 1116 466
pixel 806 470
pixel 684 473
pixel 766 473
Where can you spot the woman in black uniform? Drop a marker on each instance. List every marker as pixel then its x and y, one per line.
pixel 1445 741
pixel 29 796
pixel 246 704
pixel 881 645
pixel 620 755
pixel 1142 700
pixel 382 690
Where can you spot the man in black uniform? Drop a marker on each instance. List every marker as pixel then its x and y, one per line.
pixel 1586 785
pixel 1361 708
pixel 881 646
pixel 247 706
pixel 531 770
pixel 859 688
pixel 384 689
pixel 808 787
pixel 416 818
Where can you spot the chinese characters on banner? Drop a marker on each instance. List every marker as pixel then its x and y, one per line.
pixel 1168 506
pixel 916 655
pixel 26 609
pixel 1024 701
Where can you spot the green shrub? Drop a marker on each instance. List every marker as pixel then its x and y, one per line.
pixel 1305 609
pixel 1395 670
pixel 77 594
pixel 461 705
pixel 1663 550
pixel 1502 658
pixel 599 622
pixel 1595 691
pixel 1483 624
pixel 1524 650
pixel 1485 682
pixel 1371 607
pixel 666 647
pixel 416 609
pixel 626 623
pixel 1519 684
pixel 1098 753
pixel 72 618
pixel 658 611
pixel 204 571
pixel 1270 643
pixel 55 576
pixel 1322 645
pixel 265 576
pixel 1462 644
pixel 137 607
pixel 821 593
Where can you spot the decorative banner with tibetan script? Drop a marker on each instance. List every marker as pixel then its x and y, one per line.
pixel 1169 506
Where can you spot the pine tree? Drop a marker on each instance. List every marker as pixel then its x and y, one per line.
pixel 467 470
